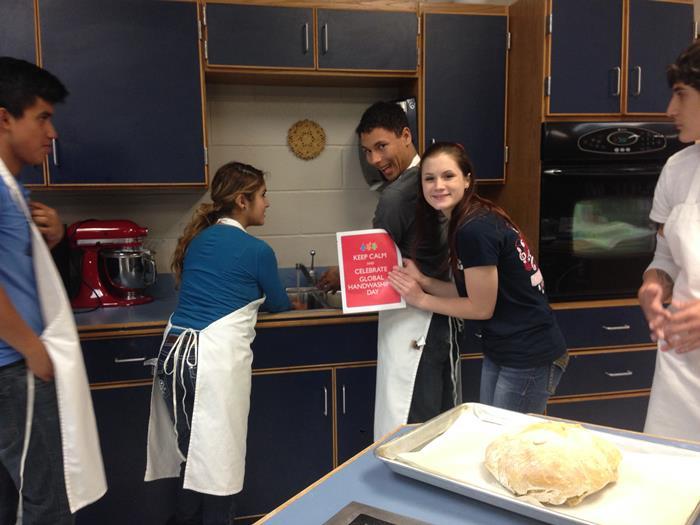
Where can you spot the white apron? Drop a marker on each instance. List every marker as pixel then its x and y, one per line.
pixel 216 456
pixel 82 459
pixel 400 341
pixel 674 406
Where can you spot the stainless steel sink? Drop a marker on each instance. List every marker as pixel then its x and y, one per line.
pixel 314 298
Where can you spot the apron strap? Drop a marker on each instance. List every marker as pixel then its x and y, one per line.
pixel 27 435
pixel 456 326
pixel 186 346
pixel 694 190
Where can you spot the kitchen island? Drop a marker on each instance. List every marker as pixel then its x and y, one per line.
pixel 366 480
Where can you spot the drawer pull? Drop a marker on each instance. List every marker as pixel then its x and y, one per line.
pixel 619 374
pixel 129 360
pixel 618 327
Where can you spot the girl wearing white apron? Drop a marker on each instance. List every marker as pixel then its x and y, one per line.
pixel 201 391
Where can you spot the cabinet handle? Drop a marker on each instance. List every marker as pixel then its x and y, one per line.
pixel 432 141
pixel 129 359
pixel 306 38
pixel 54 151
pixel 325 38
pixel 618 81
pixel 343 390
pixel 619 374
pixel 325 401
pixel 618 327
pixel 638 88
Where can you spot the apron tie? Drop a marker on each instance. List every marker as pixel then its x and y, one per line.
pixel 456 326
pixel 185 346
pixel 27 436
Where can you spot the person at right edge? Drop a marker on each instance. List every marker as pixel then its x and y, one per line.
pixel 674 273
pixel 418 372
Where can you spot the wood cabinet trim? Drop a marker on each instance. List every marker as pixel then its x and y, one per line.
pixel 360 5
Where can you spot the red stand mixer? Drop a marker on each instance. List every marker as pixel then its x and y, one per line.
pixel 115 267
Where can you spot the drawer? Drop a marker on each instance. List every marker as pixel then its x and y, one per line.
pixel 120 359
pixel 603 327
pixel 628 413
pixel 314 345
pixel 608 372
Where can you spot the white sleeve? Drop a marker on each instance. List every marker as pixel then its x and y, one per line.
pixel 663 260
pixel 662 205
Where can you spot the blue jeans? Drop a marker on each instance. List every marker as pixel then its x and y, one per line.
pixel 191 508
pixel 44 499
pixel 525 390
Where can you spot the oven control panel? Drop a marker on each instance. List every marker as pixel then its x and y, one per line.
pixel 622 141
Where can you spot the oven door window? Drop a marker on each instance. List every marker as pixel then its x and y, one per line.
pixel 596 238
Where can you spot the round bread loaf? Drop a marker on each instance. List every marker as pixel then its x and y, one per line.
pixel 553 462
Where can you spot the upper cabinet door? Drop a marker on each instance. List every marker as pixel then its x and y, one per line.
pixel 658 33
pixel 17 40
pixel 134 113
pixel 376 40
pixel 17 29
pixel 465 86
pixel 249 35
pixel 586 56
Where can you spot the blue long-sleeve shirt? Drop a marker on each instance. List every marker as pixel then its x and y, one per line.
pixel 225 269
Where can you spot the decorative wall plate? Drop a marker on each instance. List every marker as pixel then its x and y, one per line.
pixel 306 139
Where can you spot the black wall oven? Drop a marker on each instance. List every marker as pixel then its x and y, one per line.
pixel 597 186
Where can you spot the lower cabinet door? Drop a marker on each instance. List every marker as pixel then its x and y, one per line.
pixel 355 389
pixel 290 438
pixel 627 413
pixel 122 423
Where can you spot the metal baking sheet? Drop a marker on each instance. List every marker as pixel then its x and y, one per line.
pixel 418 438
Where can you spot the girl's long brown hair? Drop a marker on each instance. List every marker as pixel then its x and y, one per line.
pixel 470 206
pixel 230 181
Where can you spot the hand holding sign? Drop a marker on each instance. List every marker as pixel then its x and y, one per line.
pixel 407 281
pixel 365 258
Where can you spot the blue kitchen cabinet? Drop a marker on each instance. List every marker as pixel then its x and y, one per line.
pixel 586 54
pixel 589 70
pixel 122 423
pixel 121 393
pixel 355 391
pixel 290 438
pixel 465 86
pixel 261 36
pixel 134 114
pixel 17 41
pixel 17 29
pixel 367 40
pixel 658 33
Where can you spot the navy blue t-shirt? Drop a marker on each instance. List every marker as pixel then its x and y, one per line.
pixel 522 332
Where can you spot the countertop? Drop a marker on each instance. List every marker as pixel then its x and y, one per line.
pixel 154 315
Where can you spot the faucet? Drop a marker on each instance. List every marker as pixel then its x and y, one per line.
pixel 309 273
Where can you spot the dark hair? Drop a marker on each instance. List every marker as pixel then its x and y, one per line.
pixel 471 205
pixel 686 68
pixel 22 82
pixel 387 115
pixel 230 181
